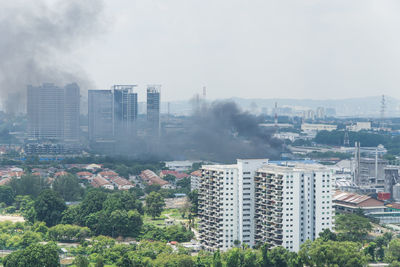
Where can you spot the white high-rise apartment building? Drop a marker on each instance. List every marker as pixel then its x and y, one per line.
pixel 292 204
pixel 226 204
pixel 256 202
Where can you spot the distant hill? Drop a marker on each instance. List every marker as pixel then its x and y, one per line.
pixel 356 107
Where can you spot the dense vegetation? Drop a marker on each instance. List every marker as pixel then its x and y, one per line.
pixel 327 250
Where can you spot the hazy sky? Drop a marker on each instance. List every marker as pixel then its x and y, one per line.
pixel 249 48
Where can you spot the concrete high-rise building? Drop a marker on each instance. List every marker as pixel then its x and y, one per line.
pixel 112 113
pixel 71 112
pixel 125 110
pixel 256 202
pixel 53 112
pixel 226 204
pixel 292 204
pixel 153 109
pixel 100 115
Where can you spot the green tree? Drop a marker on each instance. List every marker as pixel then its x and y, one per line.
pixel 352 227
pixel 6 195
pixel 217 259
pixel 154 204
pixel 173 260
pixel 333 253
pixel 265 257
pixel 370 250
pixel 99 261
pixel 49 207
pixel 278 257
pixel 71 215
pixel 169 178
pixel 81 261
pixel 249 258
pixel 193 197
pixel 68 187
pixel 392 252
pixel 184 183
pixel 33 256
pixel 92 203
pixel 29 184
pixel 152 188
pixel 29 238
pixel 232 257
pixel 327 234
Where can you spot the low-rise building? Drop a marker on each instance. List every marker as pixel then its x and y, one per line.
pixel 359 126
pixel 122 183
pixel 314 127
pixel 99 181
pixel 84 175
pixel 179 165
pixel 178 175
pixel 352 202
pixel 150 178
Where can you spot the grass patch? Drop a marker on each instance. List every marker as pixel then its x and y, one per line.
pixel 157 221
pixel 173 213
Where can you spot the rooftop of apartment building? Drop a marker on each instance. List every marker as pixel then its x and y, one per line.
pixel 298 167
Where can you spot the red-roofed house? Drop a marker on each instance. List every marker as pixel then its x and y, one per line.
pixel 84 175
pixel 99 181
pixel 108 174
pixel 178 175
pixel 5 181
pixel 61 173
pixel 122 183
pixel 151 178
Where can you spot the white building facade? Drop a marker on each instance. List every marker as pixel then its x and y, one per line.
pixel 292 204
pixel 226 204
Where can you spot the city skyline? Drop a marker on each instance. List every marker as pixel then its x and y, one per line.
pixel 264 49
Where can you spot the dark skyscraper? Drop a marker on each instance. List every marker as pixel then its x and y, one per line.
pixel 153 109
pixel 53 112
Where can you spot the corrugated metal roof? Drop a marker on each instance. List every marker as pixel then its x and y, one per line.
pixel 350 197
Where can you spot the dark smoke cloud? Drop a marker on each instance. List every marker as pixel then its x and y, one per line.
pixel 220 132
pixel 36 39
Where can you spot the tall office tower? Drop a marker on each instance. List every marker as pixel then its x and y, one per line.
pixel 112 113
pixel 292 204
pixel 100 114
pixel 226 204
pixel 153 109
pixel 53 112
pixel 125 110
pixel 71 112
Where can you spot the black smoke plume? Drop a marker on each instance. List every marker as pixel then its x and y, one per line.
pixel 220 132
pixel 37 37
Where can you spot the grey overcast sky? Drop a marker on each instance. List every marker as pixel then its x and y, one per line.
pixel 249 48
